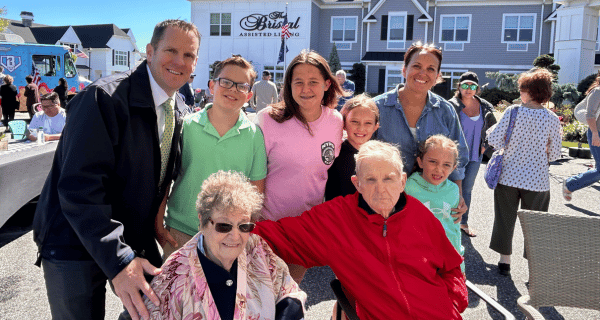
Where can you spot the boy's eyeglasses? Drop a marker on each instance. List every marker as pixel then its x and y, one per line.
pixel 465 86
pixel 228 84
pixel 227 227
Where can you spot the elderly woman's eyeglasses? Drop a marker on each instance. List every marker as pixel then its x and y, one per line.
pixel 227 227
pixel 228 84
pixel 465 86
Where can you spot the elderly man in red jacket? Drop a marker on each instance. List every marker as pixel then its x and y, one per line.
pixel 388 250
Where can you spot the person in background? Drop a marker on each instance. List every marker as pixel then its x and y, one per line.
pixel 476 116
pixel 534 143
pixel 347 86
pixel 225 272
pixel 591 176
pixel 361 119
pixel 32 95
pixel 10 102
pixel 389 252
pixel 61 89
pixel 219 137
pixel 188 92
pixel 437 158
pixel 95 217
pixel 2 75
pixel 265 92
pixel 51 118
pixel 303 135
pixel 411 113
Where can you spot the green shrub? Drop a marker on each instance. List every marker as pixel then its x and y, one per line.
pixel 358 75
pixel 495 95
pixel 585 83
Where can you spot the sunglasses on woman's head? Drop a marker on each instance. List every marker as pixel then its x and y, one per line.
pixel 227 227
pixel 465 86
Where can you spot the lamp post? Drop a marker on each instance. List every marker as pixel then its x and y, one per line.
pixel 90 64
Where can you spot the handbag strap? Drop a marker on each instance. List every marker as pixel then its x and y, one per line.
pixel 511 124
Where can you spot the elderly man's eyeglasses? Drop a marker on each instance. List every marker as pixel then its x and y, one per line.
pixel 227 227
pixel 465 86
pixel 228 84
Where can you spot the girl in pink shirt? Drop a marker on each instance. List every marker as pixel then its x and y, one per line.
pixel 303 135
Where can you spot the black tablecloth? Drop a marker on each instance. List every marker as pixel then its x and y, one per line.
pixel 23 171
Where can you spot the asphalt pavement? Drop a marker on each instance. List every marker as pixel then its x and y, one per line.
pixel 23 293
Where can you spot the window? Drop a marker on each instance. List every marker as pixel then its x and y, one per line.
pixel 220 24
pixel 343 29
pixel 70 70
pixel 598 36
pixel 393 77
pixel 276 73
pixel 46 65
pixel 518 28
pixel 70 45
pixel 121 58
pixel 396 31
pixel 453 76
pixel 455 28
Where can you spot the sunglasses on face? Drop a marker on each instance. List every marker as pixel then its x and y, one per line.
pixel 228 84
pixel 465 86
pixel 227 227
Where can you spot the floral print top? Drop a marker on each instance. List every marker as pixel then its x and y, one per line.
pixel 263 281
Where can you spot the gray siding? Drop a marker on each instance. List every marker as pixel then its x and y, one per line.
pixel 325 45
pixel 315 16
pixel 377 45
pixel 486 45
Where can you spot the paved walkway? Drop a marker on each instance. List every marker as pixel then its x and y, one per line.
pixel 23 294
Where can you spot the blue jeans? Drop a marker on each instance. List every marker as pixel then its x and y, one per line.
pixel 471 170
pixel 586 179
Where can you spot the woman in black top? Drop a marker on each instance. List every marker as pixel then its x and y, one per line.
pixel 61 89
pixel 9 100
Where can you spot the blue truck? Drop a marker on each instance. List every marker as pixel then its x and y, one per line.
pixel 46 63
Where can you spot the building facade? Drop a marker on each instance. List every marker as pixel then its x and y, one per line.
pixel 107 48
pixel 475 35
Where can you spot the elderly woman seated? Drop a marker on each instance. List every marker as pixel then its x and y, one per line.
pixel 388 250
pixel 224 272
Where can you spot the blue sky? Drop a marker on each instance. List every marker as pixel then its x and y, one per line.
pixel 139 15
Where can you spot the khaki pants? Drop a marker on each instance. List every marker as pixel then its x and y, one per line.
pixel 180 237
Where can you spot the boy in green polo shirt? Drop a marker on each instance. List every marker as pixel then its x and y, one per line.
pixel 220 137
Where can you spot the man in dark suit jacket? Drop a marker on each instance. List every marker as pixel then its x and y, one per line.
pixel 188 92
pixel 95 217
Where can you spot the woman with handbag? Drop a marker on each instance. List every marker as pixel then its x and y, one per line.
pixel 592 112
pixel 476 115
pixel 535 141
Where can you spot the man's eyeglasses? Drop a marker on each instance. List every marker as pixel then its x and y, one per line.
pixel 228 84
pixel 465 86
pixel 227 227
pixel 49 105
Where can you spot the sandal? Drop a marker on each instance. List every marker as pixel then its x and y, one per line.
pixel 467 231
pixel 566 193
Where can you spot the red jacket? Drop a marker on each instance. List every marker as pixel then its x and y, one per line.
pixel 412 272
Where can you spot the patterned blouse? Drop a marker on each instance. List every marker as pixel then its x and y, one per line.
pixel 263 281
pixel 535 141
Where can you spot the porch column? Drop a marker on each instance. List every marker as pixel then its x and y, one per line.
pixel 575 42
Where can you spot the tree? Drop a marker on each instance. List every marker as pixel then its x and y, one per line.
pixel 334 60
pixel 358 76
pixel 3 21
pixel 547 62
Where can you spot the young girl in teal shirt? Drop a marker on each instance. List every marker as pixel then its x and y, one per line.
pixel 438 157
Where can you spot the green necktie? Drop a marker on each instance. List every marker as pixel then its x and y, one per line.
pixel 165 142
